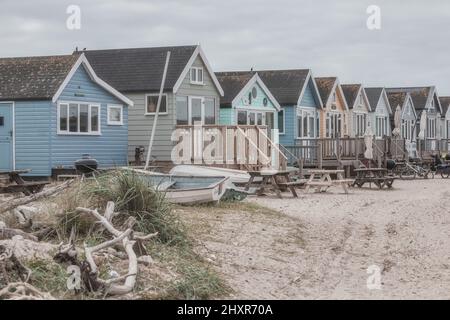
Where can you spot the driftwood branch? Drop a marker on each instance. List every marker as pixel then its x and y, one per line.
pixel 8 233
pixel 127 239
pixel 25 200
pixel 23 291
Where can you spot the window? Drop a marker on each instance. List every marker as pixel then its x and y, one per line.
pixel 333 125
pixel 431 128
pixel 210 111
pixel 380 126
pixel 196 75
pixel 242 118
pixel 408 130
pixel 115 115
pixel 152 102
pixel 78 118
pixel 281 121
pixel 182 111
pixel 360 124
pixel 306 122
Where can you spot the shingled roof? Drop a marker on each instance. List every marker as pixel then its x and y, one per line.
pixel 373 96
pixel 140 69
pixel 232 83
pixel 445 102
pixel 33 78
pixel 351 93
pixel 325 86
pixel 396 98
pixel 419 95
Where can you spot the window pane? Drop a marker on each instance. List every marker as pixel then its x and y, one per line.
pixel 182 111
pixel 84 116
pixel 300 127
pixel 94 119
pixel 259 119
pixel 73 118
pixel 200 75
pixel 196 110
pixel 311 127
pixel 281 121
pixel 305 126
pixel 115 114
pixel 210 111
pixel 152 102
pixel 63 117
pixel 252 119
pixel 242 118
pixel 193 75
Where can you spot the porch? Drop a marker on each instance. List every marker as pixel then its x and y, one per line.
pixel 245 147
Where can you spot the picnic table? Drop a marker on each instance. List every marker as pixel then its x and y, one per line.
pixel 321 180
pixel 378 176
pixel 12 182
pixel 278 180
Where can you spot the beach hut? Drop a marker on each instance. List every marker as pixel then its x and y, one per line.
pixel 426 100
pixel 297 93
pixel 333 116
pixel 359 108
pixel 55 109
pixel 380 113
pixel 408 119
pixel 247 101
pixel 191 92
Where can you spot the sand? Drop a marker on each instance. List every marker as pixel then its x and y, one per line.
pixel 320 246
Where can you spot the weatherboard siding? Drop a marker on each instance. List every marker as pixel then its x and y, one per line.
pixel 109 148
pixel 32 135
pixel 289 136
pixel 207 89
pixel 309 98
pixel 140 127
pixel 226 116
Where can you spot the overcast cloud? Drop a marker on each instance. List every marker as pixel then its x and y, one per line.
pixel 328 36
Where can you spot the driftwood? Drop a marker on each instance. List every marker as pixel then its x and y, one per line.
pixel 89 267
pixel 10 265
pixel 9 233
pixel 24 200
pixel 23 291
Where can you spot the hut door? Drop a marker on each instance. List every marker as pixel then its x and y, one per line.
pixel 6 137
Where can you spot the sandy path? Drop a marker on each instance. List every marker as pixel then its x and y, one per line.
pixel 321 245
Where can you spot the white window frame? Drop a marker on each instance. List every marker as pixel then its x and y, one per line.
pixel 115 123
pixel 301 114
pixel 156 95
pixel 196 70
pixel 333 121
pixel 360 124
pixel 381 126
pixel 284 121
pixel 90 106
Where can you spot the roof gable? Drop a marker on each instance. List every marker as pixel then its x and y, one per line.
pixel 237 84
pixel 352 92
pixel 445 102
pixel 141 69
pixel 310 96
pixel 375 95
pixel 82 60
pixel 421 96
pixel 328 86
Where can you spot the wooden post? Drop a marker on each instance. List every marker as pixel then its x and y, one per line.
pixel 319 154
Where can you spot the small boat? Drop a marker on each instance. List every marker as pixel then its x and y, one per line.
pixel 236 176
pixel 186 189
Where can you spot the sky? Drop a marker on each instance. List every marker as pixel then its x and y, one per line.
pixel 331 37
